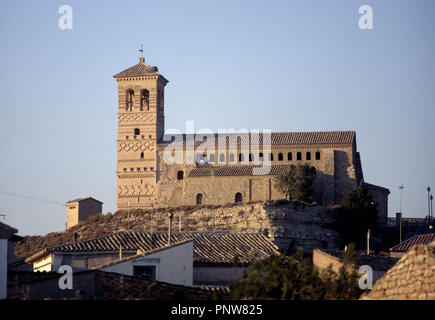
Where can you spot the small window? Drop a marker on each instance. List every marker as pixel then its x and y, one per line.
pixel 299 156
pixel 221 157
pixel 138 169
pixel 251 157
pixel 145 100
pixel 289 156
pixel 231 157
pixel 270 156
pixel 212 157
pixel 199 198
pixel 238 197
pixel 145 169
pixel 261 156
pixel 180 175
pixel 125 169
pixel 141 155
pixel 308 156
pixel 317 155
pixel 136 131
pixel 241 157
pixel 280 157
pixel 145 270
pixel 152 168
pixel 131 169
pixel 126 137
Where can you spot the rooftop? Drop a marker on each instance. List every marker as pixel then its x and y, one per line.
pixel 421 239
pixel 276 138
pixel 138 70
pixel 208 248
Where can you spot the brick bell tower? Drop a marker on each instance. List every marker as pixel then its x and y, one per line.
pixel 141 123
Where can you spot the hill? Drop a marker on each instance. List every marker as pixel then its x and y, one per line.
pixel 286 223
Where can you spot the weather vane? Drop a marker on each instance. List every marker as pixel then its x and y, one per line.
pixel 141 49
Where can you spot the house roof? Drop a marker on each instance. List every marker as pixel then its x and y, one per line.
pixel 82 199
pixel 208 248
pixel 422 239
pixel 8 232
pixel 109 286
pixel 373 187
pixel 276 138
pixel 378 263
pixel 139 70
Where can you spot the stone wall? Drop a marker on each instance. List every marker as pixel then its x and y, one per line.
pixel 412 278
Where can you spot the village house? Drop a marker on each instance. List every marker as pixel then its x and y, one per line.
pixel 80 209
pixel 218 258
pixel 322 259
pixel 7 239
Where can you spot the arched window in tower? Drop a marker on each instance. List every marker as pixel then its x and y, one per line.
pixel 251 157
pixel 231 157
pixel 129 100
pixel 136 131
pixel 270 156
pixel 241 157
pixel 142 155
pixel 261 156
pixel 211 159
pixel 238 198
pixel 144 100
pixel 280 157
pixel 221 158
pixel 317 155
pixel 180 175
pixel 299 156
pixel 308 156
pixel 199 199
pixel 289 156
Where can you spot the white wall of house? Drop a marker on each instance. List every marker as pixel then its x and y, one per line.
pixel 173 265
pixel 3 268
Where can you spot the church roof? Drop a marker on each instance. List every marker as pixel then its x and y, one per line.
pixel 234 170
pixel 281 138
pixel 138 70
pixel 208 248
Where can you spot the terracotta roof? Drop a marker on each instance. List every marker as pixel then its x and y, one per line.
pixel 97 285
pixel 369 186
pixel 281 138
pixel 423 239
pixel 138 70
pixel 82 199
pixel 235 170
pixel 208 248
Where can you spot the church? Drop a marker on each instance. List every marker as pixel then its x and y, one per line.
pixel 219 169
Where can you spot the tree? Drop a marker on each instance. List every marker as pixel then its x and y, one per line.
pixel 297 182
pixel 294 278
pixel 357 214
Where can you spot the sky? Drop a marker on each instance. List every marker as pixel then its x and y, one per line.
pixel 280 65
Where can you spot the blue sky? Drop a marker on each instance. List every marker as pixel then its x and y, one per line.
pixel 280 65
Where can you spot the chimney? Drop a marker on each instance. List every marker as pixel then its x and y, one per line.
pixel 142 60
pixel 170 215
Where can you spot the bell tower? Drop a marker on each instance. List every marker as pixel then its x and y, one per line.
pixel 141 124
